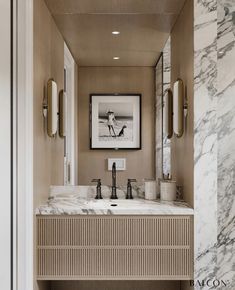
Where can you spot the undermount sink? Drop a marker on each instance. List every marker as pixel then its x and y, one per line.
pixel 136 206
pixel 121 203
pixel 120 206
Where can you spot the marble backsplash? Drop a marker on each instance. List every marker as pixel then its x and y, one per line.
pixel 90 191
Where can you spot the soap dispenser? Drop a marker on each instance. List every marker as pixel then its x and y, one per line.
pixel 129 188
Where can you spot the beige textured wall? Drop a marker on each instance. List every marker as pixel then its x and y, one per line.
pixel 182 67
pixel 48 63
pixel 92 163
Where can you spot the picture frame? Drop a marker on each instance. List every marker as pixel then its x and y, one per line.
pixel 115 121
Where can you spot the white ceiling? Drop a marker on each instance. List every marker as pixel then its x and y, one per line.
pixel 87 26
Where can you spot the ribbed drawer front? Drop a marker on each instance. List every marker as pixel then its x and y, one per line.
pixel 114 247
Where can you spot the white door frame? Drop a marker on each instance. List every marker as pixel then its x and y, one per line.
pixel 23 222
pixel 23 144
pixel 71 132
pixel 6 146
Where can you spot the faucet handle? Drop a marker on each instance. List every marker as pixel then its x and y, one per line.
pixel 131 180
pixel 98 180
pixel 129 188
pixel 98 188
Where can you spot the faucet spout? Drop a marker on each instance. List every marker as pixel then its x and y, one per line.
pixel 114 177
pixel 114 174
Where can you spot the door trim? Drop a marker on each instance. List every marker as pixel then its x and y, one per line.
pixel 23 209
pixel 69 63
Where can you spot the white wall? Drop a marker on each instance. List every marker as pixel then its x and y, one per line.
pixel 5 145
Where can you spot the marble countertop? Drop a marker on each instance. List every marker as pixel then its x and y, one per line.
pixel 84 204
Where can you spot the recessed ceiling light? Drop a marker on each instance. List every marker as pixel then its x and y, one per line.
pixel 116 57
pixel 115 32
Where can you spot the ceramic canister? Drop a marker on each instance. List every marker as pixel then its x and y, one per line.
pixel 168 190
pixel 150 187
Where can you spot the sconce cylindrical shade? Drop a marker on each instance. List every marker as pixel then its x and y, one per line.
pixel 168 113
pixel 62 113
pixel 178 108
pixel 52 102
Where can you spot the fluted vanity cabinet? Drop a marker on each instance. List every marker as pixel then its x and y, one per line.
pixel 103 247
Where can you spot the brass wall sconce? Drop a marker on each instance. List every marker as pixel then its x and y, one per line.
pixel 180 108
pixel 50 108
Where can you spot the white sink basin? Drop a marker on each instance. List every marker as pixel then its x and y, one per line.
pixel 123 205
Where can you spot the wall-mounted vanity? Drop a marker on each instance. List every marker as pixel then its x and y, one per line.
pixel 80 238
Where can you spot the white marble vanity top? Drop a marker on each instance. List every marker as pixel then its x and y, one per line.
pixel 84 203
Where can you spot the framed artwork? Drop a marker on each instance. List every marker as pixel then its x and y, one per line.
pixel 115 121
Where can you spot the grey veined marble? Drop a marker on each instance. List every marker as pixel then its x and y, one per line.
pixel 81 200
pixel 214 114
pixel 205 139
pixel 226 142
pixel 158 118
pixel 166 143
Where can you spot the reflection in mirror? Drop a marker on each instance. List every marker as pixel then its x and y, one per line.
pixel 166 142
pixel 158 117
pixel 167 114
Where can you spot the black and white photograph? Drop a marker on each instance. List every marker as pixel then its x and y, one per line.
pixel 115 121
